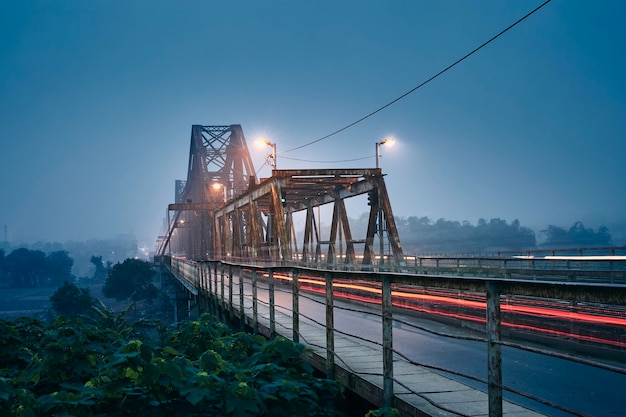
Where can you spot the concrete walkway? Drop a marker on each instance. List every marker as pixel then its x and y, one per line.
pixel 417 390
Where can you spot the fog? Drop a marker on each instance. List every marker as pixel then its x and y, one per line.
pixel 97 100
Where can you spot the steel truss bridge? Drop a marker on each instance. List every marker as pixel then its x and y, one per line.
pixel 231 237
pixel 222 211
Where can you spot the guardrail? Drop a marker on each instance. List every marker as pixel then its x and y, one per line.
pixel 599 269
pixel 221 282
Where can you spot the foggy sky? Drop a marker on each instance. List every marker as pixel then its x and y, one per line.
pixel 97 99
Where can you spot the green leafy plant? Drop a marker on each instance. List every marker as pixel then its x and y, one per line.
pixel 103 366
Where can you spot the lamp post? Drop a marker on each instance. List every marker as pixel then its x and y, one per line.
pixel 381 236
pixel 378 144
pixel 273 154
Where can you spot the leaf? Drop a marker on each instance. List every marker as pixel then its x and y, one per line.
pixel 170 351
pixel 131 374
pixel 195 396
pixel 151 374
pixel 28 412
pixel 173 371
pixel 146 352
pixel 211 361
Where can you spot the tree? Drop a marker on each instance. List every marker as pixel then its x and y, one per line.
pixel 101 272
pixel 27 268
pixel 130 279
pixel 71 301
pixel 59 267
pixel 577 235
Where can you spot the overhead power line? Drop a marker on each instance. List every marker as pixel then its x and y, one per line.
pixel 424 82
pixel 328 162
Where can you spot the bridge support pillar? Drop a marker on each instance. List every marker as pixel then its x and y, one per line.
pixel 185 307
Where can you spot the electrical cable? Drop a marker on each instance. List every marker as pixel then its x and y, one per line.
pixel 455 63
pixel 328 162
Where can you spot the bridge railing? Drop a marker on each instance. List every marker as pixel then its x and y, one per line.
pixel 224 286
pixel 589 268
pixel 609 269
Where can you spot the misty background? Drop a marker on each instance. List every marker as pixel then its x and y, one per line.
pixel 97 100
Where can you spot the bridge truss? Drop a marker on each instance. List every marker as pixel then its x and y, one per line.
pixel 225 213
pixel 219 169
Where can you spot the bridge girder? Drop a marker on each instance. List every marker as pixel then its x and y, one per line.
pixel 289 191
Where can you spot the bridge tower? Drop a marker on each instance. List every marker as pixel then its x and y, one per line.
pixel 220 168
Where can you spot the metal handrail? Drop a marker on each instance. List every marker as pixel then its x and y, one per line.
pixel 211 276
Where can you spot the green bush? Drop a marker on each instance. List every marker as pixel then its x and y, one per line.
pixel 102 368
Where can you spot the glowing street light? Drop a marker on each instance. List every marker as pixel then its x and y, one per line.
pixel 381 235
pixel 387 141
pixel 217 187
pixel 272 156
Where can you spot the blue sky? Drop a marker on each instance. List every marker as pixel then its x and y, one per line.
pixel 97 99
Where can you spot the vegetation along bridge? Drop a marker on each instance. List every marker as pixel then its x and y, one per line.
pixel 251 252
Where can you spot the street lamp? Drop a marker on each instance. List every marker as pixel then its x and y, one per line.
pixel 381 236
pixel 389 141
pixel 217 187
pixel 272 156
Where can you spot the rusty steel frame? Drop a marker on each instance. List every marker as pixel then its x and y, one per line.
pixel 289 191
pixel 218 156
pixel 246 220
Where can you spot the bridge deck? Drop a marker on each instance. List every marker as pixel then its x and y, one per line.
pixel 359 367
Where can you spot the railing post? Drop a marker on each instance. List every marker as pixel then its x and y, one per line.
pixel 203 287
pixel 387 342
pixel 231 314
pixel 270 282
pixel 222 300
pixel 255 311
pixel 330 328
pixel 494 350
pixel 210 295
pixel 242 322
pixel 295 305
pixel 215 298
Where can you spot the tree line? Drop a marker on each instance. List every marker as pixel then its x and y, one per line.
pixel 111 250
pixel 29 268
pixel 423 235
pixel 420 234
pixel 25 268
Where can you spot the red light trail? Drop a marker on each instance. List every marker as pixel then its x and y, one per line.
pixel 432 302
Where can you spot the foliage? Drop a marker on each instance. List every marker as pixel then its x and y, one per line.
pixel 383 412
pixel 110 250
pixel 59 265
pixel 24 268
pixel 100 273
pixel 130 279
pixel 576 236
pixel 71 367
pixel 70 300
pixel 421 234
